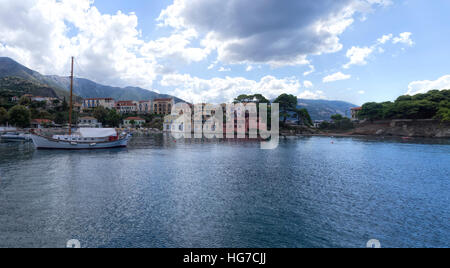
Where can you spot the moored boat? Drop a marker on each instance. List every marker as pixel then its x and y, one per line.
pixel 83 139
pixel 14 136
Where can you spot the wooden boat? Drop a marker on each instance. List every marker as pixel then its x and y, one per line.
pixel 83 138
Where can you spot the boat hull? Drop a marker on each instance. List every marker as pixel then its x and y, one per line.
pixel 42 143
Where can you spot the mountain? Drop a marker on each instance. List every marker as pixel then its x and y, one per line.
pixel 32 81
pixel 324 109
pixel 82 87
pixel 89 89
pixel 16 86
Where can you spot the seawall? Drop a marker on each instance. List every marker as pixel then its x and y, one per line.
pixel 427 128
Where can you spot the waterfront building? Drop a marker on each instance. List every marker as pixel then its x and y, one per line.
pixel 163 106
pixel 145 107
pixel 171 124
pixel 89 122
pixel 133 122
pixel 91 103
pixel 126 107
pixel 41 123
pixel 355 112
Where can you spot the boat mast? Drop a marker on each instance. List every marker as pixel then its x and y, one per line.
pixel 71 97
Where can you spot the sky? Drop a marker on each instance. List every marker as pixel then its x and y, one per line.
pixel 213 50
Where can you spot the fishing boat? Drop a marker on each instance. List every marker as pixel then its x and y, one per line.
pixel 81 139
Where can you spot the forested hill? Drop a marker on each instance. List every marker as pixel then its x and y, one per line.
pixel 324 109
pixel 16 86
pixel 82 87
pixel 433 105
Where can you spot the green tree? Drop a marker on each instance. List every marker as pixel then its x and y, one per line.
pixel 101 114
pixel 113 118
pixel 371 111
pixel 256 98
pixel 303 116
pixel 19 116
pixel 3 116
pixel 24 101
pixel 288 103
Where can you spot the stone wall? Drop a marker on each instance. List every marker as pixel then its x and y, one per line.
pixel 405 128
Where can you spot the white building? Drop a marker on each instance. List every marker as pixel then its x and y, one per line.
pixel 133 122
pixel 89 122
pixel 126 107
pixel 108 103
pixel 145 107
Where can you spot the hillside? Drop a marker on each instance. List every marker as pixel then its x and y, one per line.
pixel 324 109
pixel 15 86
pixel 89 89
pixel 82 87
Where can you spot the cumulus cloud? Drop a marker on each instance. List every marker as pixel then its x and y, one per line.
pixel 43 34
pixel 384 39
pixel 336 77
pixel 218 90
pixel 404 38
pixel 417 87
pixel 317 95
pixel 312 69
pixel 308 84
pixel 358 56
pixel 272 32
pixel 176 48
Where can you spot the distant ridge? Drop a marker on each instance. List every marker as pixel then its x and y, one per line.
pixel 82 87
pixel 324 109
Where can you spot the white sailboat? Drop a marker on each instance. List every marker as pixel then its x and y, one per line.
pixel 83 138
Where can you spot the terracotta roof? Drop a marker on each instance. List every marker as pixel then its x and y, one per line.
pixel 41 121
pixel 167 99
pixel 87 118
pixel 99 99
pixel 357 109
pixel 125 103
pixel 135 119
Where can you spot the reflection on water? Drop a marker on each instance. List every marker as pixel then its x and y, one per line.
pixel 310 192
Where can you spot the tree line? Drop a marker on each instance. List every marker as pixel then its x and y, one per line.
pixel 432 105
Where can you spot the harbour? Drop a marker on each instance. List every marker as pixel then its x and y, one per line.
pixel 162 193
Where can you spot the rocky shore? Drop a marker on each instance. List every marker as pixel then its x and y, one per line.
pixel 404 128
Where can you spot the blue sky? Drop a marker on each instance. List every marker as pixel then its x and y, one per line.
pixel 218 51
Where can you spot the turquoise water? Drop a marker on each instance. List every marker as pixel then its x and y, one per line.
pixel 160 193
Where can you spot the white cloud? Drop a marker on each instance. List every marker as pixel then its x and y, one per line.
pixel 176 48
pixel 358 56
pixel 249 68
pixel 272 32
pixel 361 92
pixel 417 87
pixel 309 95
pixel 336 77
pixel 43 34
pixel 308 84
pixel 404 38
pixel 312 69
pixel 384 39
pixel 223 69
pixel 218 90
